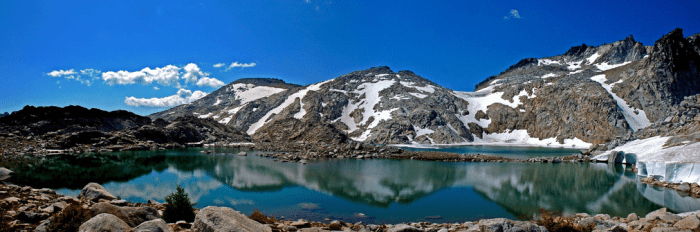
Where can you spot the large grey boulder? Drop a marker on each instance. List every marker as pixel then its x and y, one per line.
pixel 95 192
pixel 157 225
pixel 133 216
pixel 214 218
pixel 505 225
pixel 104 222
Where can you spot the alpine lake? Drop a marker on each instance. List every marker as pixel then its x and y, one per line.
pixel 372 190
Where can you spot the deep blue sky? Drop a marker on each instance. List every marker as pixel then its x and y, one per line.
pixel 454 43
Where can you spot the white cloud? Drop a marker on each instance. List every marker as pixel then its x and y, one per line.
pixel 192 72
pixel 219 65
pixel 95 74
pixel 60 73
pixel 166 76
pixel 513 14
pixel 212 82
pixel 71 74
pixel 183 96
pixel 156 88
pixel 241 65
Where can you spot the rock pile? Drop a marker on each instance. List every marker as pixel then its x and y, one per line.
pixel 31 209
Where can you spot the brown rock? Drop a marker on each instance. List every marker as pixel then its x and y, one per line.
pixel 688 223
pixel 131 215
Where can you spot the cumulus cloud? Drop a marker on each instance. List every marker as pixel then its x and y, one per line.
pixel 183 96
pixel 166 76
pixel 219 65
pixel 62 73
pixel 71 74
pixel 170 75
pixel 211 82
pixel 192 72
pixel 514 14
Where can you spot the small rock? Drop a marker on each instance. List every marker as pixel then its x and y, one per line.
pixel 683 187
pixel 118 202
pixel 44 226
pixel 335 225
pixel 32 216
pixel 49 209
pixel 183 224
pixel 300 224
pixel 404 228
pixel 11 200
pixel 242 153
pixel 632 217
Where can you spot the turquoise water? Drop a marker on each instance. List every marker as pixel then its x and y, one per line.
pixel 372 191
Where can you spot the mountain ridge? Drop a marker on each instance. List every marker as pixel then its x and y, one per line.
pixel 589 95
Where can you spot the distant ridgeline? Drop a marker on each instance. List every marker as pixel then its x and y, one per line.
pixel 590 95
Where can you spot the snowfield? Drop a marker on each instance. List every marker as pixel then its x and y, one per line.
pixel 636 118
pixel 673 164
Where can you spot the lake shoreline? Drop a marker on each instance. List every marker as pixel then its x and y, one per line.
pixel 32 209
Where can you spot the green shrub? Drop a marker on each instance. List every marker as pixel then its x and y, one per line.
pixel 70 219
pixel 178 207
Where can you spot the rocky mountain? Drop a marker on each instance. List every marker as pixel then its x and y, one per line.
pixel 4 114
pixel 81 129
pixel 596 95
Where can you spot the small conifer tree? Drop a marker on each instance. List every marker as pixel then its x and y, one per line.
pixel 178 207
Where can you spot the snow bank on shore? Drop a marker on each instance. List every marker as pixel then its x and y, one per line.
pixel 671 164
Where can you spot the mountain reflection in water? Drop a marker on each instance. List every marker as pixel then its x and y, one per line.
pixel 386 191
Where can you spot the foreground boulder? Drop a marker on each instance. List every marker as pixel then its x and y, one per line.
pixel 157 225
pixel 133 216
pixel 104 222
pixel 214 218
pixel 505 225
pixel 95 192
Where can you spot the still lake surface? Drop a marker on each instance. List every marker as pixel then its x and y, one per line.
pixel 371 191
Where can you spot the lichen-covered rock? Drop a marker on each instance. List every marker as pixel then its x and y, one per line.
pixel 214 218
pixel 505 225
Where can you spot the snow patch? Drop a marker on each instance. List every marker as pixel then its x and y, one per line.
pixel 289 101
pixel 546 62
pixel 248 92
pixel 422 131
pixel 372 98
pixel 549 75
pixel 426 88
pixel 205 115
pixel 574 65
pixel 592 58
pixel 521 137
pixel 418 95
pixel 607 66
pixel 636 118
pixel 481 100
pixel 226 120
pixel 218 101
